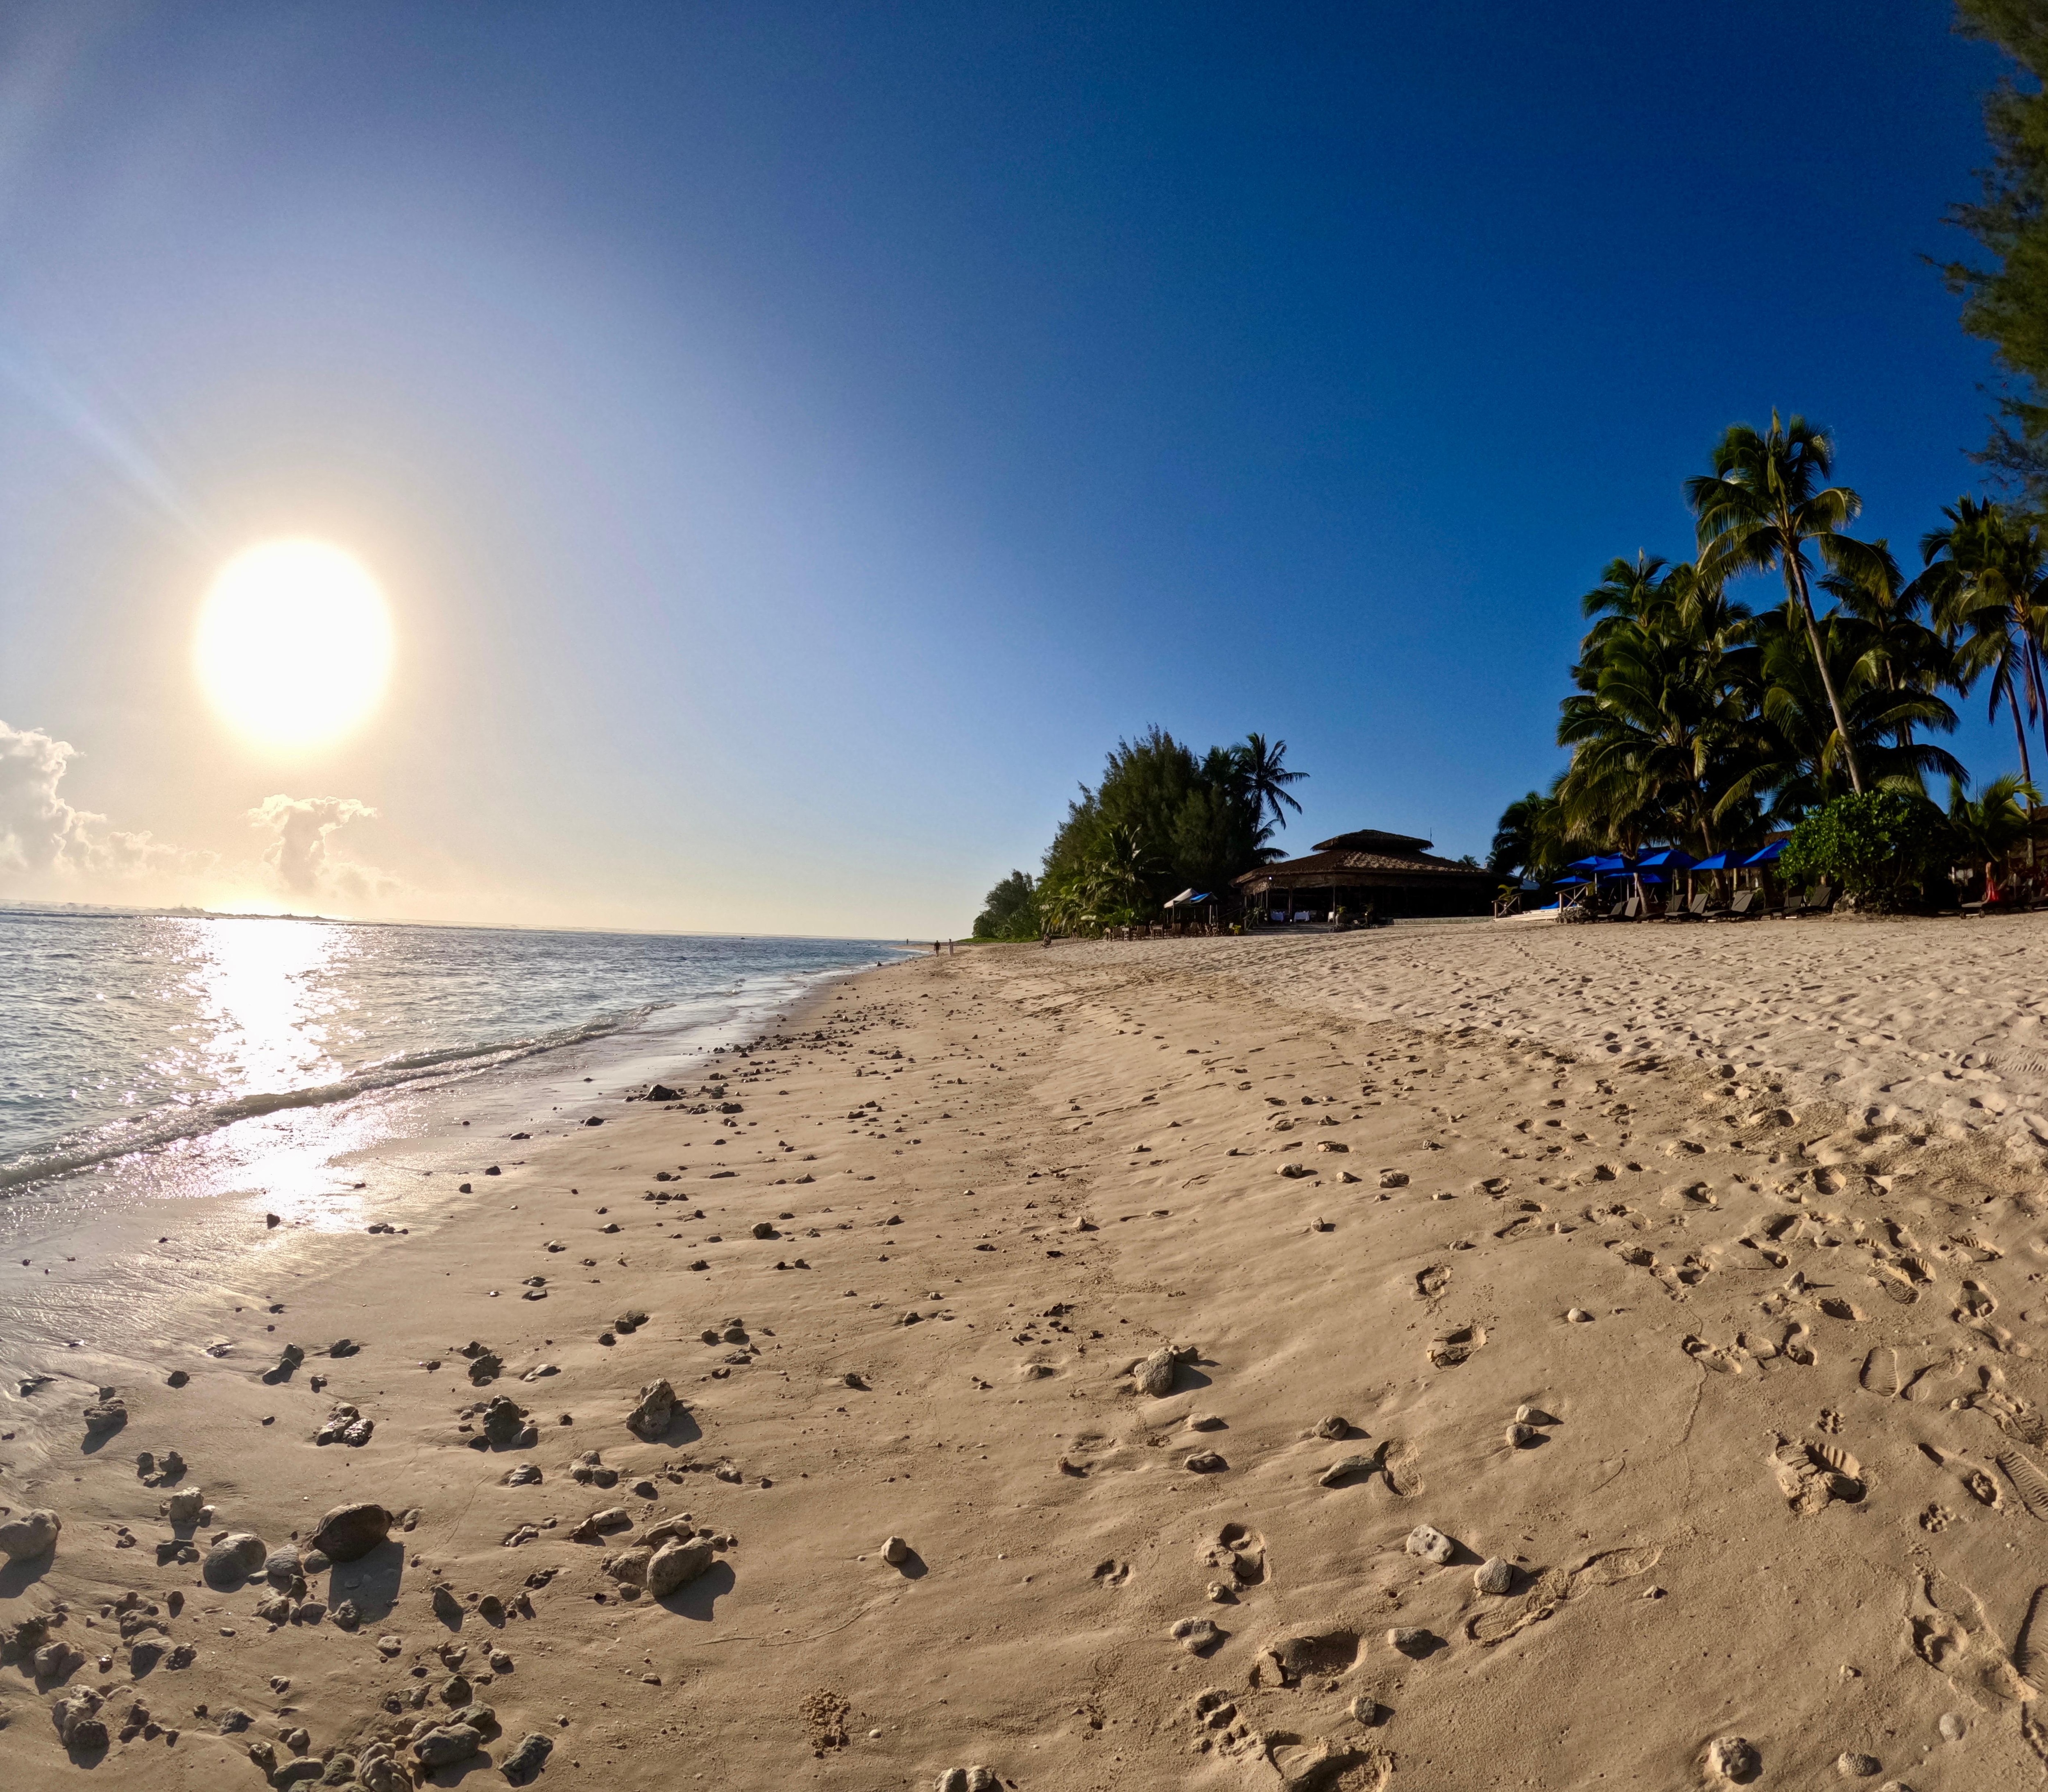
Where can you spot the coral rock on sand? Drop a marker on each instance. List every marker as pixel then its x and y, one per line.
pixel 506 1422
pixel 348 1532
pixel 630 1567
pixel 78 1723
pixel 233 1559
pixel 1494 1576
pixel 1345 1467
pixel 447 1744
pixel 29 1536
pixel 969 1779
pixel 895 1551
pixel 185 1506
pixel 107 1413
pixel 651 1419
pixel 526 1761
pixel 1196 1635
pixel 676 1565
pixel 1154 1374
pixel 1430 1544
pixel 1732 1758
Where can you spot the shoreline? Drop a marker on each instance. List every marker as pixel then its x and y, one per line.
pixel 990 1183
pixel 373 1151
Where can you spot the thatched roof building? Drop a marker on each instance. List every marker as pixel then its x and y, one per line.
pixel 1392 873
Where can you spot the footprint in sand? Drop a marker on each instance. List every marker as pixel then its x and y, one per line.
pixel 1457 1347
pixel 1723 1361
pixel 1431 1282
pixel 1524 1220
pixel 1642 1257
pixel 1241 1551
pixel 2028 1479
pixel 1554 1587
pixel 1399 1468
pixel 1948 1629
pixel 1977 1481
pixel 2017 1417
pixel 1292 1659
pixel 1973 1311
pixel 2030 1649
pixel 1814 1476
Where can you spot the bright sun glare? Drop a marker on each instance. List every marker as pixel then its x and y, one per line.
pixel 294 643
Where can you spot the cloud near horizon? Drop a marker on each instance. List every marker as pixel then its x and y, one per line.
pixel 50 848
pixel 300 828
pixel 40 834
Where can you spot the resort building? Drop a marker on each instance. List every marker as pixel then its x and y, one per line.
pixel 1394 875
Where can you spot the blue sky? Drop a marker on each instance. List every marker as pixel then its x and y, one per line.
pixel 797 440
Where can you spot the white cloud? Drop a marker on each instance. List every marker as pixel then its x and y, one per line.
pixel 49 848
pixel 299 854
pixel 44 837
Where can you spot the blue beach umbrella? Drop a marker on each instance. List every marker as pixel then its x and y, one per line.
pixel 1767 856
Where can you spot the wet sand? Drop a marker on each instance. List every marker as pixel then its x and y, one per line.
pixel 1340 1197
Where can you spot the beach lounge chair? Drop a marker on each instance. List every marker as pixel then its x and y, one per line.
pixel 1619 910
pixel 1632 908
pixel 1820 899
pixel 1745 907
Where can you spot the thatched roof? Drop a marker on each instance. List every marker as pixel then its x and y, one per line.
pixel 1371 839
pixel 1377 860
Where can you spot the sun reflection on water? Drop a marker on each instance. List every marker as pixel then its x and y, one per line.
pixel 264 990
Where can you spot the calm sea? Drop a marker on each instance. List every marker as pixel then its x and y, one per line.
pixel 159 1054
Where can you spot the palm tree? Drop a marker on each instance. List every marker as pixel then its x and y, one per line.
pixel 1812 716
pixel 1988 586
pixel 1664 676
pixel 1989 828
pixel 1764 503
pixel 1904 652
pixel 1267 777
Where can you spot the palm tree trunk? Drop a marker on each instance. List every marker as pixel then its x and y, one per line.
pixel 1795 576
pixel 2026 765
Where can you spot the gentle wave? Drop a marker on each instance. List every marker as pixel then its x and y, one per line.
pixel 147 1132
pixel 127 1033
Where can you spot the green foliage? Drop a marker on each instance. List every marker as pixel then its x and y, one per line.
pixel 1161 821
pixel 1695 722
pixel 1010 911
pixel 1534 839
pixel 2005 294
pixel 1876 847
pixel 1990 827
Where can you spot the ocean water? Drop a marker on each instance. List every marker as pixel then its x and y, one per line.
pixel 152 1055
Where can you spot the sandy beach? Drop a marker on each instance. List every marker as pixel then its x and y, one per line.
pixel 1565 1358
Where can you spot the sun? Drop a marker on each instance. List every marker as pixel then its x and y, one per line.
pixel 294 643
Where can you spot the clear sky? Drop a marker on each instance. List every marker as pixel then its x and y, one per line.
pixel 796 440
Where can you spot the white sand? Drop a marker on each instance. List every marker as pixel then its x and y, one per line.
pixel 1738 1524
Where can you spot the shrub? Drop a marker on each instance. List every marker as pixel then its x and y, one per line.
pixel 1875 848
